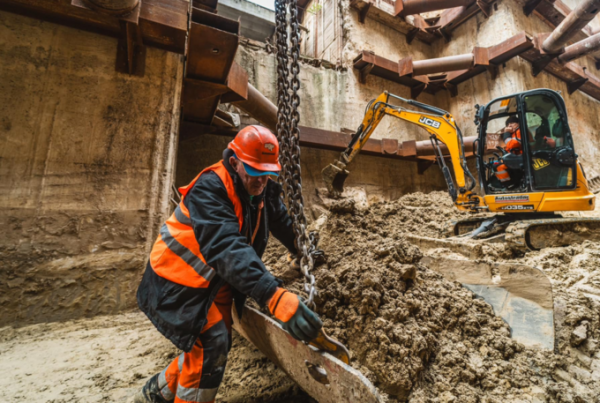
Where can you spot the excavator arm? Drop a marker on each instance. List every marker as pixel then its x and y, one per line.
pixel 442 129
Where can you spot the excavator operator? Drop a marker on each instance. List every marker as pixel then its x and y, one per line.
pixel 512 136
pixel 207 256
pixel 508 170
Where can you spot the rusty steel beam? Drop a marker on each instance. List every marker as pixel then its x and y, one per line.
pixel 113 7
pixel 209 72
pixel 384 14
pixel 368 63
pixel 411 7
pixel 442 64
pixel 580 49
pixel 570 26
pixel 162 23
pixel 320 139
pixel 481 60
pixel 575 77
pixel 259 107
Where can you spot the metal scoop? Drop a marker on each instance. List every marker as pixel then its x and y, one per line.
pixel 334 175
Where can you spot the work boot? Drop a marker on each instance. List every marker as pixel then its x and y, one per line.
pixel 150 393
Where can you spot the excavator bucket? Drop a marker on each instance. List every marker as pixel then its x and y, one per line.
pixel 519 294
pixel 320 374
pixel 334 175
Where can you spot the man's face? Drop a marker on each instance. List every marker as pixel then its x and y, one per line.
pixel 254 185
pixel 512 127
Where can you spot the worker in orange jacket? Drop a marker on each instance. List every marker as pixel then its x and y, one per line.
pixel 208 256
pixel 513 145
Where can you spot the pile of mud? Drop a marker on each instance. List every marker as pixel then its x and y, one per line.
pixel 415 335
pixel 415 213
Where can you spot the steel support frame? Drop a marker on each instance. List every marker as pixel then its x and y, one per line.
pixel 336 141
pixel 423 30
pixel 553 12
pixel 484 59
pixel 211 76
pixel 575 76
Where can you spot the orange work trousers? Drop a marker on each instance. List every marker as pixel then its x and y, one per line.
pixel 196 376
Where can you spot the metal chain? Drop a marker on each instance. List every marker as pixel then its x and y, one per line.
pixel 288 135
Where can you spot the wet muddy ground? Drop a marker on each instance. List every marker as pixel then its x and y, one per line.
pixel 417 336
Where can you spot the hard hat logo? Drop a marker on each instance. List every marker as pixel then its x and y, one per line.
pixel 257 147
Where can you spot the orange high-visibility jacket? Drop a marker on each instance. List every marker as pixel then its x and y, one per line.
pixel 176 253
pixel 513 144
pixel 215 236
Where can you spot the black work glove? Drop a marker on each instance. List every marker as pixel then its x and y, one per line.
pixel 294 316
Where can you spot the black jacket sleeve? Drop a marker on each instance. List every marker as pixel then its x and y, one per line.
pixel 223 246
pixel 280 223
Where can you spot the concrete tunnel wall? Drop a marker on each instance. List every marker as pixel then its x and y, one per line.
pixel 86 161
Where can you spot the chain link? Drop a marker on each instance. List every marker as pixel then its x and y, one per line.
pixel 288 134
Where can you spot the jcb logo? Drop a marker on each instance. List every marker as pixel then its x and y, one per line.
pixel 430 122
pixel 539 163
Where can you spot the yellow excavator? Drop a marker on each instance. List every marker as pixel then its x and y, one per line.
pixel 544 177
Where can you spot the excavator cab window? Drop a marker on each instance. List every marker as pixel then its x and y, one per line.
pixel 551 154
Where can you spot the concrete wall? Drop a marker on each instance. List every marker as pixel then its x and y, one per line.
pixel 86 157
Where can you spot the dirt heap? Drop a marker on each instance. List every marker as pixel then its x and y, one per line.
pixel 418 213
pixel 415 335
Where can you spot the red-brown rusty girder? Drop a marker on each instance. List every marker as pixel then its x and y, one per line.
pixel 262 109
pixel 580 49
pixel 408 67
pixel 442 64
pixel 114 7
pixel 570 26
pixel 410 7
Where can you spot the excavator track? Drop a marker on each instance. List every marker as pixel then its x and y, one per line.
pixel 552 232
pixel 461 227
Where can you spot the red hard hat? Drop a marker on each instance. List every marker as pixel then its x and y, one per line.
pixel 257 147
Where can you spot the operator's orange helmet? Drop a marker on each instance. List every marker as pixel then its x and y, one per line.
pixel 258 148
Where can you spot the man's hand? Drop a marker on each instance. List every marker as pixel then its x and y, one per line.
pixel 295 317
pixel 509 129
pixel 550 142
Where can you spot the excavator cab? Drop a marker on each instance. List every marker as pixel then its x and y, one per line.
pixel 531 143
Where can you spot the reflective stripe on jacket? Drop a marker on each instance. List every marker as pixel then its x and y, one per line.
pixel 502 173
